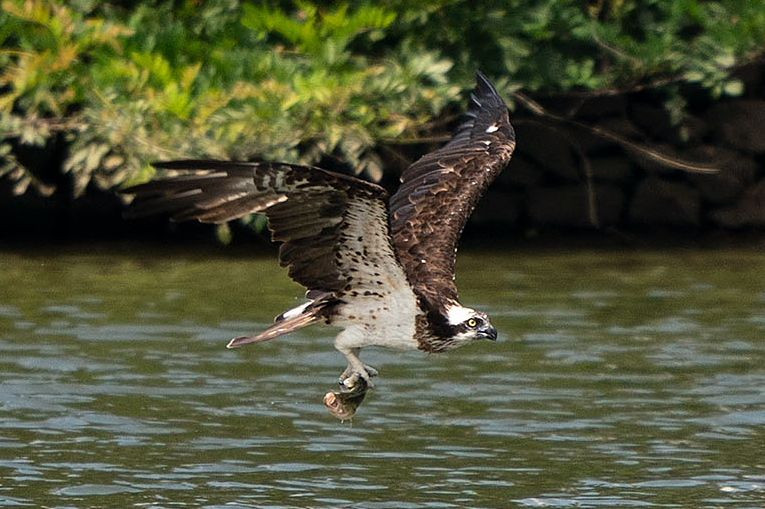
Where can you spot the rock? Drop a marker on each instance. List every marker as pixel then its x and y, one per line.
pixel 736 172
pixel 692 129
pixel 653 120
pixel 568 206
pixel 663 202
pixel 590 142
pixel 749 211
pixel 752 74
pixel 657 123
pixel 740 124
pixel 522 172
pixel 611 168
pixel 601 106
pixel 498 207
pixel 548 148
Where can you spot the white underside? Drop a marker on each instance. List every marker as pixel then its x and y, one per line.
pixel 366 322
pixel 387 316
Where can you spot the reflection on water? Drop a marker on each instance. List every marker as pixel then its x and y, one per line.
pixel 621 379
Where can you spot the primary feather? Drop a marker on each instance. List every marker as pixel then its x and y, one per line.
pixel 308 209
pixel 439 192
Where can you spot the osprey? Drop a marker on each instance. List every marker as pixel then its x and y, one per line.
pixel 380 268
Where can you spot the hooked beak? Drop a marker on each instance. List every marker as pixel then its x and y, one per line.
pixel 488 332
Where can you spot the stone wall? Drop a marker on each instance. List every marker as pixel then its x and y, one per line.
pixel 562 177
pixel 565 176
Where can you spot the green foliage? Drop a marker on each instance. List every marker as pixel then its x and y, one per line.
pixel 299 81
pixel 562 45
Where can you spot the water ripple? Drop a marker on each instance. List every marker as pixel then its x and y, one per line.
pixel 638 385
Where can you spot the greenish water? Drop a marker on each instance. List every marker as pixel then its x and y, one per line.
pixel 620 380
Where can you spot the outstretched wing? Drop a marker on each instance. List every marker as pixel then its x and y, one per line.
pixel 439 192
pixel 331 226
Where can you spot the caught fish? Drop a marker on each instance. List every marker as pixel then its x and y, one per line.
pixel 344 403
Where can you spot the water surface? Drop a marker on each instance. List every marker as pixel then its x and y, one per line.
pixel 621 379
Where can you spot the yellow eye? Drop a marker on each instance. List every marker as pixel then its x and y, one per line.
pixel 472 322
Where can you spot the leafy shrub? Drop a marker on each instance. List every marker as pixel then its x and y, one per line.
pixel 300 81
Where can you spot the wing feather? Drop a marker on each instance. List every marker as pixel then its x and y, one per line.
pixel 439 192
pixel 308 210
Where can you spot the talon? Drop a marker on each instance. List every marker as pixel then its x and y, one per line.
pixel 367 377
pixel 349 378
pixel 349 371
pixel 356 371
pixel 350 381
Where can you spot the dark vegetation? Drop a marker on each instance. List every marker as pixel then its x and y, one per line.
pixel 622 106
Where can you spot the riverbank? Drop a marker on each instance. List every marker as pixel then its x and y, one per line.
pixel 603 163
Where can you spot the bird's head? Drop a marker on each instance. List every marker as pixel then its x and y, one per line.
pixel 467 324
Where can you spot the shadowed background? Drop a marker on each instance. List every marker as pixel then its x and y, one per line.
pixel 620 106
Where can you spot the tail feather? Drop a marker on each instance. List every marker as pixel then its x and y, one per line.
pixel 289 321
pixel 276 330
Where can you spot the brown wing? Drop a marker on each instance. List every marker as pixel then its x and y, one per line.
pixel 312 211
pixel 439 192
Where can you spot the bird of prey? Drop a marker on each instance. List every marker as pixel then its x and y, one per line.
pixel 379 267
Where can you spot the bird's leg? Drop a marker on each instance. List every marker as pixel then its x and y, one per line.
pixel 356 369
pixel 372 372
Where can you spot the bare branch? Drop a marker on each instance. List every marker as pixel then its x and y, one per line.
pixel 659 157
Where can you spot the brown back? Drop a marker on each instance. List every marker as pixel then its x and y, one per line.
pixel 439 192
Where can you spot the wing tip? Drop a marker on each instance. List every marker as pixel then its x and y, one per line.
pixel 487 112
pixel 482 79
pixel 484 88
